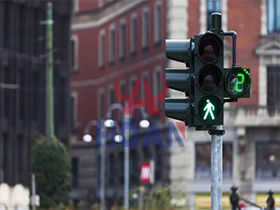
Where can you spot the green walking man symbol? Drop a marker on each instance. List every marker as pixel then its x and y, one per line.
pixel 209 108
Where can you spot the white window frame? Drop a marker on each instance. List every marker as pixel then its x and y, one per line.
pixel 157 32
pixel 264 18
pixel 133 48
pixel 100 91
pixel 112 50
pixel 75 39
pixel 267 57
pixel 76 6
pixel 101 3
pixel 100 51
pixel 145 28
pixel 122 51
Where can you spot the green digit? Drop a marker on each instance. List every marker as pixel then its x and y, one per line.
pixel 240 78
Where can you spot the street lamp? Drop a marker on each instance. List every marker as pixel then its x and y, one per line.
pixel 144 123
pixel 109 123
pixel 88 138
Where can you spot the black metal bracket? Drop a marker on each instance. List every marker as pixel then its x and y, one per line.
pixel 230 100
pixel 216 132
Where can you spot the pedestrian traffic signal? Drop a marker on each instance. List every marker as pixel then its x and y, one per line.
pixel 208 85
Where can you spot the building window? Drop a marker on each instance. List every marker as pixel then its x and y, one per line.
pixel 157 89
pixel 146 154
pixel 273 11
pixel 267 160
pixel 203 160
pixel 101 49
pixel 22 29
pixel 7 92
pixel 131 86
pixel 112 170
pixel 20 158
pixel 123 90
pixel 121 171
pixel 22 95
pixel 134 169
pixel 122 40
pixel 145 29
pixel 101 105
pixel 143 94
pixel 74 110
pixel 5 158
pixel 35 95
pixel 74 53
pixel 133 35
pixel 112 47
pixel 212 6
pixel 273 88
pixel 158 164
pixel 75 172
pixel 36 31
pixel 111 96
pixel 158 23
pixel 7 24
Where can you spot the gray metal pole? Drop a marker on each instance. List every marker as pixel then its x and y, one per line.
pixel 102 172
pixel 33 181
pixel 216 167
pixel 126 164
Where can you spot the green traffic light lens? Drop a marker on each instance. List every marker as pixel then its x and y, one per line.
pixel 209 78
pixel 209 108
pixel 210 48
pixel 238 81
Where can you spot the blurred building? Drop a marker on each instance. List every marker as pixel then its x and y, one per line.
pixel 114 37
pixel 251 151
pixel 22 92
pixel 109 39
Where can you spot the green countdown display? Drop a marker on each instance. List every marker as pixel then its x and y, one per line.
pixel 209 108
pixel 238 80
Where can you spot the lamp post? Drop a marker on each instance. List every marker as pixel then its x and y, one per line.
pixel 144 123
pixel 88 138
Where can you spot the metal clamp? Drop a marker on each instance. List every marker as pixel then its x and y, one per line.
pixel 216 132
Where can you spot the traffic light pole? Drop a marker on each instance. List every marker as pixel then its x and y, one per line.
pixel 216 133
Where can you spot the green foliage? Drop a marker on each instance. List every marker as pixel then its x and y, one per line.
pixel 159 198
pixel 51 163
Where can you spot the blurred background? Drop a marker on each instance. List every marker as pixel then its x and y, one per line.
pixel 97 41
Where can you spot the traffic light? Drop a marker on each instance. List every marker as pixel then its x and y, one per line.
pixel 179 79
pixel 208 84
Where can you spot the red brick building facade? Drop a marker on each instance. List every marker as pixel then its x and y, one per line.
pixel 113 38
pixel 251 143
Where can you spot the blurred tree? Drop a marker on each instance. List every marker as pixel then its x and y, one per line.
pixel 51 163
